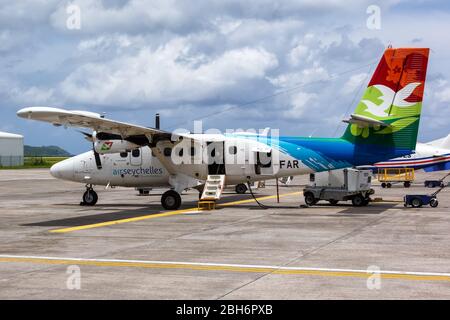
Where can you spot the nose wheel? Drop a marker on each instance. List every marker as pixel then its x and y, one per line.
pixel 90 197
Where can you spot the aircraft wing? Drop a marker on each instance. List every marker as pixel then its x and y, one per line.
pixel 85 119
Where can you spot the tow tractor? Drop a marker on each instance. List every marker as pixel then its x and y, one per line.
pixel 418 200
pixel 435 183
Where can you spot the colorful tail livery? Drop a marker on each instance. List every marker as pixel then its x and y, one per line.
pixel 389 112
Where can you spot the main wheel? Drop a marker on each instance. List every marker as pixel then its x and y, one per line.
pixel 240 188
pixel 309 199
pixel 90 198
pixel 358 200
pixel 333 202
pixel 416 203
pixel 171 200
pixel 434 203
pixel 407 184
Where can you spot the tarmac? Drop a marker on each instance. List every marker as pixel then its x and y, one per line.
pixel 127 247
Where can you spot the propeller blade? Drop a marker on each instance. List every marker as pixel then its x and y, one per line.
pixel 98 160
pixel 87 136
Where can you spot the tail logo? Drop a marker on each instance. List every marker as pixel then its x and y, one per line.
pixel 388 97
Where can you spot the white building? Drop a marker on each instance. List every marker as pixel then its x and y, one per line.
pixel 11 149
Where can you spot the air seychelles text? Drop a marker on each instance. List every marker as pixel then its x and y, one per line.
pixel 150 171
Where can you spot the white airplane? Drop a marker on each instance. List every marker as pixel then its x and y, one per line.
pixel 135 156
pixel 137 168
pixel 430 156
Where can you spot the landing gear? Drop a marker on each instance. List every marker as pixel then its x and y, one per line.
pixel 171 200
pixel 90 197
pixel 241 188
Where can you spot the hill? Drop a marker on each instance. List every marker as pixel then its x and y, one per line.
pixel 45 151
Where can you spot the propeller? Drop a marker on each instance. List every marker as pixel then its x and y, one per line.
pixel 90 137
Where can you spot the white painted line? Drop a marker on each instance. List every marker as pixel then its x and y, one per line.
pixel 415 273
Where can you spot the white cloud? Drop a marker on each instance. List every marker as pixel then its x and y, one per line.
pixel 184 16
pixel 105 42
pixel 169 73
pixel 354 82
pixel 10 40
pixel 192 58
pixel 298 55
pixel 443 95
pixel 135 14
pixel 306 76
pixel 300 103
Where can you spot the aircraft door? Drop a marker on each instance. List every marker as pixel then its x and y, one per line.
pixel 263 164
pixel 216 157
pixel 236 158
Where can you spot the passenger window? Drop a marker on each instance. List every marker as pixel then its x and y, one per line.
pixel 167 152
pixel 232 150
pixel 124 154
pixel 136 153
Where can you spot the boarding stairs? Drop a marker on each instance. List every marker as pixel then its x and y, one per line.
pixel 212 191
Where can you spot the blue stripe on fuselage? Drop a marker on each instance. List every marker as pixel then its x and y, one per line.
pixel 324 154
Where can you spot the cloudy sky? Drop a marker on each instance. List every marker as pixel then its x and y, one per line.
pixel 296 65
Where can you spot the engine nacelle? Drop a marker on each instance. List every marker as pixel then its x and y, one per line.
pixel 114 146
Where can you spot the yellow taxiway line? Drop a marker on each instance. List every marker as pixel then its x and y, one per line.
pixel 160 215
pixel 328 272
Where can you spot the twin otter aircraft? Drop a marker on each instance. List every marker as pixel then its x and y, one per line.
pixel 383 126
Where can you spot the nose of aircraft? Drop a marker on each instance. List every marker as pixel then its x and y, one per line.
pixel 63 170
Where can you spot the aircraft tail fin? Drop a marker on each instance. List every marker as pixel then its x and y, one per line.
pixel 389 112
